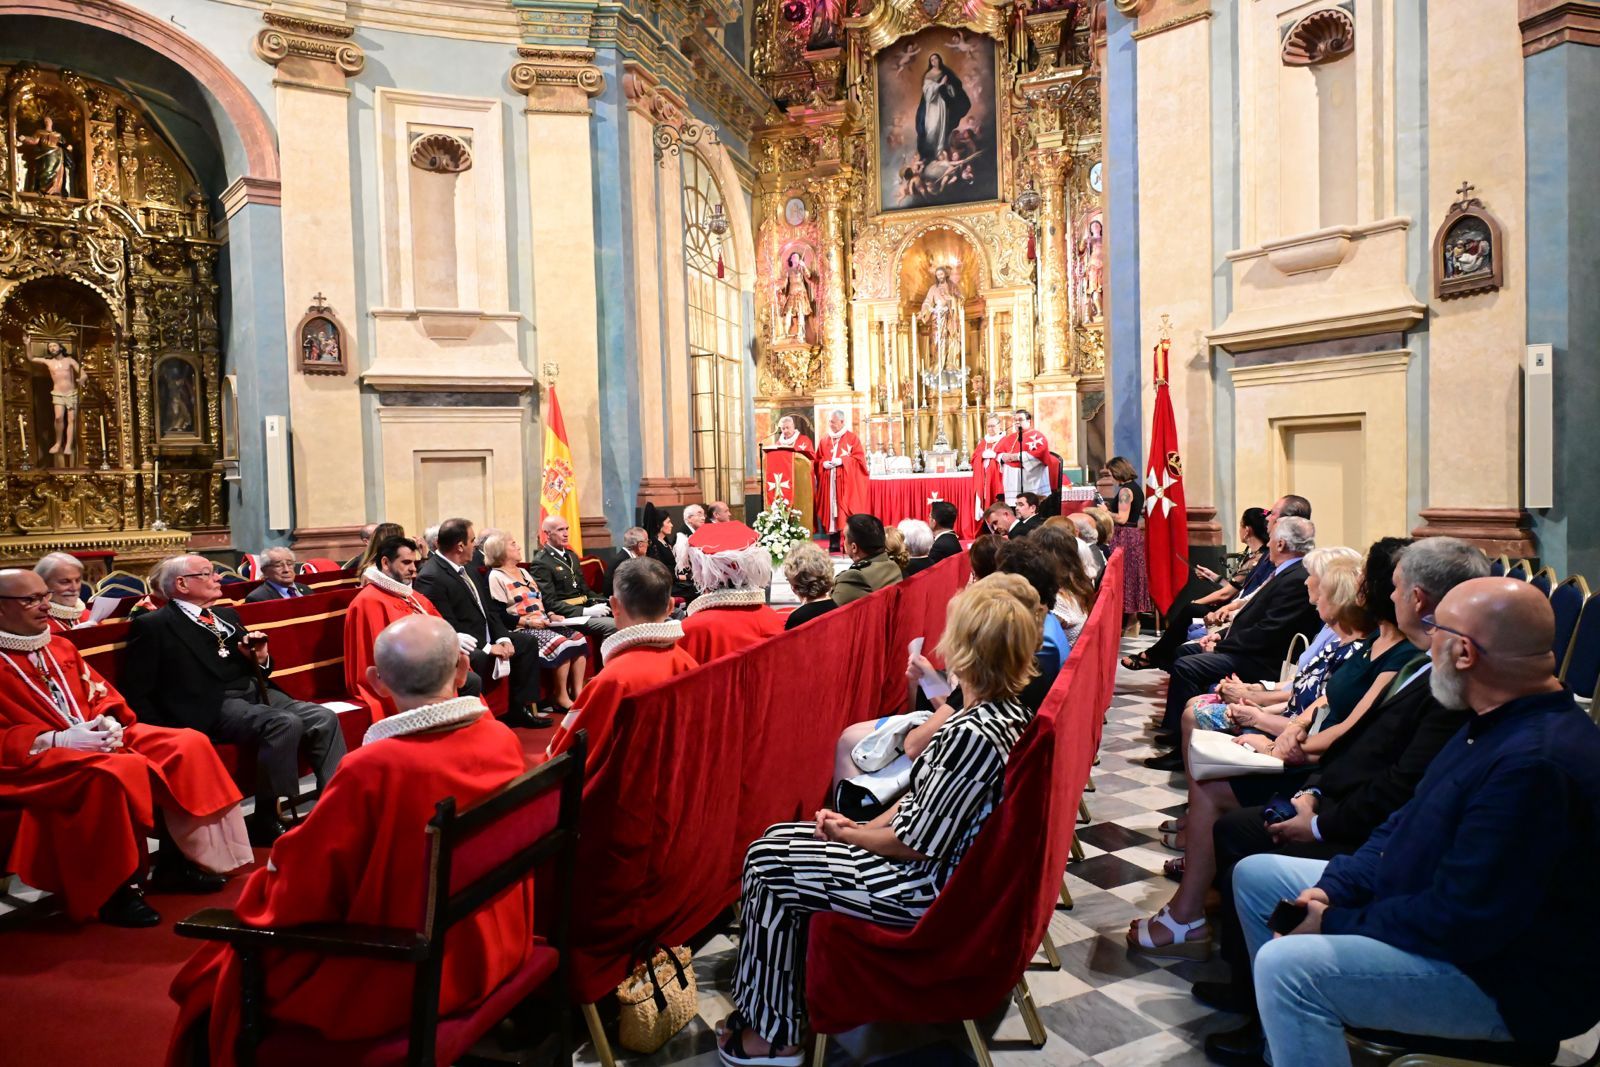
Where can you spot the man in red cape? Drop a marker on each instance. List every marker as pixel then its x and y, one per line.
pixel 644 651
pixel 732 573
pixel 1025 453
pixel 360 857
pixel 841 479
pixel 790 437
pixel 387 597
pixel 89 777
pixel 63 575
pixel 987 482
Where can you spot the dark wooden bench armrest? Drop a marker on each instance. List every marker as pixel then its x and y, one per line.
pixel 333 939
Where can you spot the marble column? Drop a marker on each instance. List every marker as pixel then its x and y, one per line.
pixel 312 60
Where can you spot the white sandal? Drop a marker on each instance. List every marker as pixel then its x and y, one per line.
pixel 1185 945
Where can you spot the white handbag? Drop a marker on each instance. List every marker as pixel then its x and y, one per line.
pixel 879 748
pixel 1213 754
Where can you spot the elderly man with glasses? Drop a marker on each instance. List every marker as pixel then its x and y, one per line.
pixel 277 569
pixel 192 664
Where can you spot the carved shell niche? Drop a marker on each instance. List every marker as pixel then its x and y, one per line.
pixel 1320 37
pixel 441 153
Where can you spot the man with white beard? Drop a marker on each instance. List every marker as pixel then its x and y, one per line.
pixel 1458 917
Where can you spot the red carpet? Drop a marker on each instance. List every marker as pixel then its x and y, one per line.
pixel 93 993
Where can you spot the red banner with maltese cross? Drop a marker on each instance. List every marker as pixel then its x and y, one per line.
pixel 1166 519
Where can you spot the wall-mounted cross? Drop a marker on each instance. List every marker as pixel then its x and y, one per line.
pixel 319 301
pixel 1465 190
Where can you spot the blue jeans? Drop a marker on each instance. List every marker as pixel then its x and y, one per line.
pixel 1310 987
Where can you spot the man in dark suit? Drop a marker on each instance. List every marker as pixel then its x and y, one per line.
pixel 191 664
pixel 366 538
pixel 1028 517
pixel 1365 776
pixel 1255 644
pixel 942 517
pixel 479 624
pixel 277 570
pixel 559 575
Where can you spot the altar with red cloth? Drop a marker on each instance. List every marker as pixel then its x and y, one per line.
pixel 893 497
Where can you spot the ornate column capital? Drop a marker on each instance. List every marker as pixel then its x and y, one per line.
pixel 309 54
pixel 557 81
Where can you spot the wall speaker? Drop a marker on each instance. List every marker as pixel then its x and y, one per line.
pixel 279 515
pixel 1538 428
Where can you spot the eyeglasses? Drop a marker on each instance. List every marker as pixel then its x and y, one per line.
pixel 29 600
pixel 275 564
pixel 200 574
pixel 1430 624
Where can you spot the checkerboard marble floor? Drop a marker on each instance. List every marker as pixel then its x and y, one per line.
pixel 1104 1006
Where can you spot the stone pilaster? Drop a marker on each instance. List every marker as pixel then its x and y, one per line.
pixel 312 60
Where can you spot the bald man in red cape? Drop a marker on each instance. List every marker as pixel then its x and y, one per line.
pixel 733 572
pixel 361 857
pixel 646 650
pixel 89 778
pixel 386 598
pixel 841 478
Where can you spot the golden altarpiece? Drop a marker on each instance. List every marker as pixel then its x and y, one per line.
pixel 109 363
pixel 930 245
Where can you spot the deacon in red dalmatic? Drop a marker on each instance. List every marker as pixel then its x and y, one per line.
pixel 361 858
pixel 90 778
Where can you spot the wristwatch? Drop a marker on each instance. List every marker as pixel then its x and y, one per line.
pixel 1315 795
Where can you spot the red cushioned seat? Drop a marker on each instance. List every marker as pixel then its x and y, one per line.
pixel 456 1034
pixel 969 950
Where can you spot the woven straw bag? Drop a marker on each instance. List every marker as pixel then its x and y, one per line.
pixel 658 999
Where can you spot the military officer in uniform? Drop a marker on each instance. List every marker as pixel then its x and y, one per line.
pixel 560 579
pixel 870 567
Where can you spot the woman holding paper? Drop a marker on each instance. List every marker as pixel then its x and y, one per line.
pixel 560 650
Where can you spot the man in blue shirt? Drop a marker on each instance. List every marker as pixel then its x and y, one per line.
pixel 1462 916
pixel 277 568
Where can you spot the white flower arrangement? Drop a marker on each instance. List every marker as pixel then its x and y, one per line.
pixel 779 529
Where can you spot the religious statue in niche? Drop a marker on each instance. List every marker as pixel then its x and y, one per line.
pixel 322 341
pixel 936 120
pixel 64 373
pixel 47 159
pixel 1466 250
pixel 941 309
pixel 177 387
pixel 825 15
pixel 1091 270
pixel 797 298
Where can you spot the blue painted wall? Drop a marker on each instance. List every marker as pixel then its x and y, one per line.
pixel 1562 129
pixel 1411 199
pixel 1225 200
pixel 1122 216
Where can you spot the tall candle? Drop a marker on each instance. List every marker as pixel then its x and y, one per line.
pixel 102 437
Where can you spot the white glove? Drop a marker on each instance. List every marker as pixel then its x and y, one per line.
pixel 988 453
pixel 595 611
pixel 832 463
pixel 91 736
pixel 468 643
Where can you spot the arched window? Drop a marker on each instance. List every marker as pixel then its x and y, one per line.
pixel 716 338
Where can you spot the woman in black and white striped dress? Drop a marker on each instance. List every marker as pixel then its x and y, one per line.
pixel 891 869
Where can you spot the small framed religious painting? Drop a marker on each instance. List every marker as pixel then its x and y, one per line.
pixel 1467 253
pixel 324 344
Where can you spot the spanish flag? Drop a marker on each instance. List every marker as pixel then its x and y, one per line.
pixel 558 492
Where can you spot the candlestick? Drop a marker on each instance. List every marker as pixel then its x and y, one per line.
pixel 102 436
pixel 22 433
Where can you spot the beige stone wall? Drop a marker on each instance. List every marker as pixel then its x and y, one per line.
pixel 1175 231
pixel 1476 343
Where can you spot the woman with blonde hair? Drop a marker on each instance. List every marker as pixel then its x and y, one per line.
pixel 563 651
pixel 894 546
pixel 891 869
pixel 809 572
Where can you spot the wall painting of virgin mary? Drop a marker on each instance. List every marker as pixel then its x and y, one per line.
pixel 937 124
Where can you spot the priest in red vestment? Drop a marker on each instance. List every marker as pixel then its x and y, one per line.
pixel 987 481
pixel 732 572
pixel 90 778
pixel 63 575
pixel 386 597
pixel 841 479
pixel 789 436
pixel 1027 465
pixel 360 857
pixel 645 651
